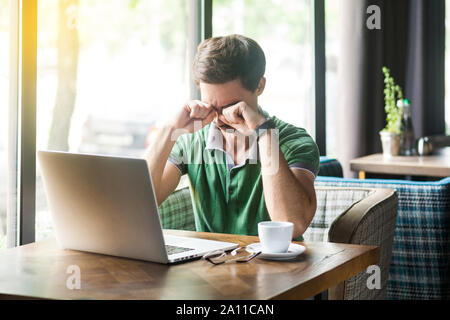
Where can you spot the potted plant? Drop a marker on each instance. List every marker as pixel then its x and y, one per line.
pixel 391 134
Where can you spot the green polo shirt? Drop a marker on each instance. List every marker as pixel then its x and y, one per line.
pixel 228 197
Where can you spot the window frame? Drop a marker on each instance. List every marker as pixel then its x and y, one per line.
pixel 319 75
pixel 27 129
pixel 13 122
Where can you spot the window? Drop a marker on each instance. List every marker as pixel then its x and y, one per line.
pixel 4 94
pixel 284 30
pixel 108 72
pixel 105 77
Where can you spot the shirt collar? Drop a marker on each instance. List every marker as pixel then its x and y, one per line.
pixel 215 138
pixel 215 142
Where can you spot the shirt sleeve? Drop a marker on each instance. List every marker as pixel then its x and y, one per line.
pixel 178 155
pixel 300 150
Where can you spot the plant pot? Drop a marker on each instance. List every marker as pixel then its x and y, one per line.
pixel 390 143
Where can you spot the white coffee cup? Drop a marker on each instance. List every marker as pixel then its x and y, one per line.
pixel 275 236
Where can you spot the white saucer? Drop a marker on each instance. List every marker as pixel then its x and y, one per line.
pixel 294 250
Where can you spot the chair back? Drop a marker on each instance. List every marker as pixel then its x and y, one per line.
pixel 420 266
pixel 356 216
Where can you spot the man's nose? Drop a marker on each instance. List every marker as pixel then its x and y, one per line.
pixel 217 118
pixel 218 110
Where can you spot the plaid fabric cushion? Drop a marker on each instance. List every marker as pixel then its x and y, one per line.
pixel 176 211
pixel 376 228
pixel 330 167
pixel 331 203
pixel 420 264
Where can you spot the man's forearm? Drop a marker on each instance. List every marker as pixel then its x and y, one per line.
pixel 157 155
pixel 286 198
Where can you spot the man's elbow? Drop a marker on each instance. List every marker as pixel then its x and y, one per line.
pixel 307 216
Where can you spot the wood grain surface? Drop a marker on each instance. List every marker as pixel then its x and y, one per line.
pixel 39 270
pixel 433 165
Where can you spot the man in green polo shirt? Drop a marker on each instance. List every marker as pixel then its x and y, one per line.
pixel 244 166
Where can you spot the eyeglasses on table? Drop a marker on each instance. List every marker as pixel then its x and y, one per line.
pixel 238 255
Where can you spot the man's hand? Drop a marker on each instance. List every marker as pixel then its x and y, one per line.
pixel 242 117
pixel 165 176
pixel 193 116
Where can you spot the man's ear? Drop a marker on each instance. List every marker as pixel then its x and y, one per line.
pixel 261 85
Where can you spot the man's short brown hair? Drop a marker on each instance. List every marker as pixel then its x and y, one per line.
pixel 222 59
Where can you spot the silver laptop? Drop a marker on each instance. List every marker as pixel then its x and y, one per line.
pixel 107 205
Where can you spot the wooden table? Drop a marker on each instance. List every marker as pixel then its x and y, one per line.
pixel 433 166
pixel 40 270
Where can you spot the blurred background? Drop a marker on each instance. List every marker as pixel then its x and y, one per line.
pixel 126 69
pixel 108 72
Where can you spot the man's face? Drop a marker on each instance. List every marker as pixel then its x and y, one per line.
pixel 224 95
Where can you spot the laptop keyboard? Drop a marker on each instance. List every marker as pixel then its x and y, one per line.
pixel 175 249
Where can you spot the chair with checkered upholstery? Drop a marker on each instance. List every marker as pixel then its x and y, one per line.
pixel 363 216
pixel 177 211
pixel 420 266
